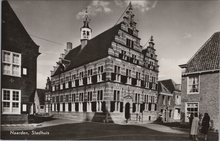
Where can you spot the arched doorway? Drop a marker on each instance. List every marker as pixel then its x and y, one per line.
pixel 127 110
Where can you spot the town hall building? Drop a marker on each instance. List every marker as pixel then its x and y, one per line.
pixel 110 74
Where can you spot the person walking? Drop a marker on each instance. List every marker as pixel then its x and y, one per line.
pixel 195 128
pixel 190 124
pixel 205 125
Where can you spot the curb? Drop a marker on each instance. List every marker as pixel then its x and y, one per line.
pixel 20 125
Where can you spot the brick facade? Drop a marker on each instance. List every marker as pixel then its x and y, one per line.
pixel 115 76
pixel 208 97
pixel 200 82
pixel 15 39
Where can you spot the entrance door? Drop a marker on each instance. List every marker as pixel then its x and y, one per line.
pixel 127 110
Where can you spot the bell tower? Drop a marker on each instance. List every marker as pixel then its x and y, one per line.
pixel 86 31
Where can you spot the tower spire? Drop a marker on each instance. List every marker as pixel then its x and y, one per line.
pixel 85 30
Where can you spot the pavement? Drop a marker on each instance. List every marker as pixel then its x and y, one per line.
pixel 162 128
pixel 14 127
pixel 31 126
pixel 71 129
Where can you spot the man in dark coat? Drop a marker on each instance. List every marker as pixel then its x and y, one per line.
pixel 190 123
pixel 205 125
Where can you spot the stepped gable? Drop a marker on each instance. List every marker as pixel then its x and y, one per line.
pixel 97 48
pixel 207 57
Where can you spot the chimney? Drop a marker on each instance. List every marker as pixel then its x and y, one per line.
pixel 69 46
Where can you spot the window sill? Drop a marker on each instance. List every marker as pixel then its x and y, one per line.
pixel 192 93
pixel 12 75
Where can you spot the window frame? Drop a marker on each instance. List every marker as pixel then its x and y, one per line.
pixel 187 85
pixel 11 102
pixel 186 103
pixel 11 63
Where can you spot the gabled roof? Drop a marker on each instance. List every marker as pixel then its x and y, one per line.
pixel 41 95
pixel 169 84
pixel 96 48
pixel 207 57
pixel 14 36
pixel 163 89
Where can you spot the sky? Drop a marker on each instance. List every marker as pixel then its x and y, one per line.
pixel 179 27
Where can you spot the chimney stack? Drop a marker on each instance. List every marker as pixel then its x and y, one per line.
pixel 69 46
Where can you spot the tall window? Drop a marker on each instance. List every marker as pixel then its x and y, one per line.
pixel 73 97
pixel 116 95
pixel 11 63
pixel 138 77
pixel 99 75
pixel 117 100
pixel 123 55
pixel 89 78
pixel 117 72
pixel 147 81
pixel 192 108
pixel 100 95
pixel 90 96
pixel 137 98
pixel 81 78
pixel 129 43
pixel 11 101
pixel 81 97
pixel 73 80
pixel 193 84
pixel 128 74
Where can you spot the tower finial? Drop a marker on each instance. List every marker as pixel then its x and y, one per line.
pixel 151 43
pixel 86 19
pixel 130 6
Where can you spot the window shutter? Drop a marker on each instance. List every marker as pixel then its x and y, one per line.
pixel 77 83
pixel 113 76
pixel 77 107
pixel 104 76
pixel 84 81
pixel 112 106
pixel 121 106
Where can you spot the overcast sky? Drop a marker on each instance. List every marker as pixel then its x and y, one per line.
pixel 179 28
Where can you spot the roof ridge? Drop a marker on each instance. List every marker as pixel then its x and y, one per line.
pixel 204 45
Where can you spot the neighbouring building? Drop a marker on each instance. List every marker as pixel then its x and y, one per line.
pixel 19 66
pixel 169 100
pixel 110 73
pixel 200 82
pixel 38 100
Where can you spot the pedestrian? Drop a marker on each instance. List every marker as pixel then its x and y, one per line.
pixel 205 125
pixel 195 128
pixel 190 124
